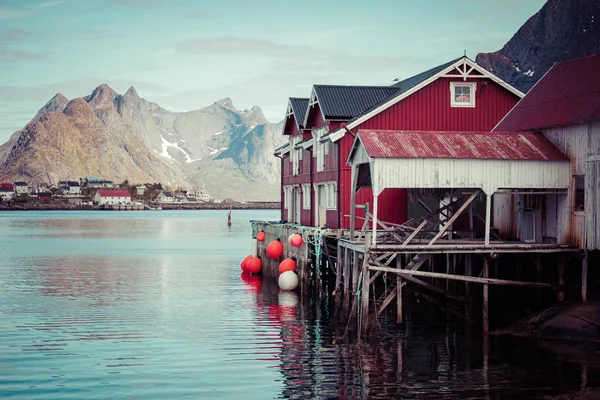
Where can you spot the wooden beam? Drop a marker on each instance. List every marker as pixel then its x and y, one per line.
pixel 399 284
pixel 561 278
pixel 488 212
pixel 353 200
pixel 486 304
pixel 412 235
pixel 474 279
pixel 375 206
pixel 374 276
pixel 387 300
pixel 584 276
pixel 454 217
pixel 419 282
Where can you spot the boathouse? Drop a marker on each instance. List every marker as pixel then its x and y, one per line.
pixel 455 96
pixel 565 106
pixel 112 197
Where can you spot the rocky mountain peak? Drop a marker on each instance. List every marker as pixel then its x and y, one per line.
pixel 226 103
pixel 562 30
pixel 56 103
pixel 132 92
pixel 102 94
pixel 78 108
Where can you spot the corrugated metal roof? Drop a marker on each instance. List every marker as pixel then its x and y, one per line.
pixel 114 193
pixel 299 108
pixel 345 102
pixel 413 81
pixel 569 93
pixel 459 145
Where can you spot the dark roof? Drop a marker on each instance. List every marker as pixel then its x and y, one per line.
pixel 299 108
pixel 413 81
pixel 73 183
pixel 345 102
pixel 167 194
pixel 459 145
pixel 569 93
pixel 20 184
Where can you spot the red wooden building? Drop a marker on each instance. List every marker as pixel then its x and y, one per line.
pixel 455 96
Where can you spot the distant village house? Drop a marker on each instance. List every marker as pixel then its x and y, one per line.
pixel 112 197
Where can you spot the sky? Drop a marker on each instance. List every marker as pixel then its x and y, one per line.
pixel 187 54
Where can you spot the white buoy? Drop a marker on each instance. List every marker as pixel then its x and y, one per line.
pixel 288 299
pixel 254 251
pixel 288 281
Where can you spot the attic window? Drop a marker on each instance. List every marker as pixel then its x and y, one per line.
pixel 462 94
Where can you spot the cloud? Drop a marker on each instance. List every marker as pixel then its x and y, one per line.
pixel 20 10
pixel 9 55
pixel 133 2
pixel 196 14
pixel 16 34
pixel 95 33
pixel 230 45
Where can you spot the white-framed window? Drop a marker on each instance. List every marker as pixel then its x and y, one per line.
pixel 331 196
pixel 306 196
pixel 287 196
pixel 319 147
pixel 462 94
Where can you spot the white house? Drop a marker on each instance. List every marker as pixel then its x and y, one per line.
pixel 21 187
pixel 71 188
pixel 6 194
pixel 202 196
pixel 140 190
pixel 165 197
pixel 104 196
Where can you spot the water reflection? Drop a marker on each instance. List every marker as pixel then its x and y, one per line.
pixel 418 361
pixel 153 305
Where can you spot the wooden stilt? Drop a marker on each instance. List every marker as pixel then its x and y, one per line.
pixel 488 212
pixel 468 272
pixel 584 276
pixel 561 279
pixel 398 292
pixel 486 321
pixel 538 273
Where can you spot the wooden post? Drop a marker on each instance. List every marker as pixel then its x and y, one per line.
pixel 398 291
pixel 353 200
pixel 486 321
pixel 364 306
pixel 471 221
pixel 584 276
pixel 468 272
pixel 355 271
pixel 488 212
pixel 561 278
pixel 375 203
pixel 538 270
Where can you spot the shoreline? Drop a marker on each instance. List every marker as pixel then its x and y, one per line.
pixel 200 206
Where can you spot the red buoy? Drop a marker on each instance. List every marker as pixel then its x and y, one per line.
pixel 296 240
pixel 254 265
pixel 244 263
pixel 275 249
pixel 261 236
pixel 289 264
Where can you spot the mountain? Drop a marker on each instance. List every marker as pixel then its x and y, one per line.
pixel 125 137
pixel 562 30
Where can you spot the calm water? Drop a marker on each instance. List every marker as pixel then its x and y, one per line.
pixel 152 305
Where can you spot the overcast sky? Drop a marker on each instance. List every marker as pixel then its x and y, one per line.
pixel 186 54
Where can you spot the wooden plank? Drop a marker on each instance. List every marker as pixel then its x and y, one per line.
pixel 454 217
pixel 488 212
pixel 353 200
pixel 374 276
pixel 412 235
pixel 584 276
pixel 486 304
pixel 387 300
pixel 399 284
pixel 424 284
pixel 491 281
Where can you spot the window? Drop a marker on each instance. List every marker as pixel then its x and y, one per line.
pixel 579 193
pixel 286 197
pixel 319 147
pixel 331 198
pixel 306 197
pixel 462 94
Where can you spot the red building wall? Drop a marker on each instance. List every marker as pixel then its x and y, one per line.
pixel 427 109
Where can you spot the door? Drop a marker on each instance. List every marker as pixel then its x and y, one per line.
pixel 322 220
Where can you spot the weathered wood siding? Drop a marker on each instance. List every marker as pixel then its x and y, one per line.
pixel 488 175
pixel 581 143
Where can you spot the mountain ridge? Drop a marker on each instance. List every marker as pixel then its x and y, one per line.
pixel 121 137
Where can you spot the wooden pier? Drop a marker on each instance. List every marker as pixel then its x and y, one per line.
pixel 368 269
